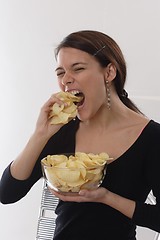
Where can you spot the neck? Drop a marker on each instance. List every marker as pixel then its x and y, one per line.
pixel 106 118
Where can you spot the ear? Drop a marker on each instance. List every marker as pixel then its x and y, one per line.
pixel 110 72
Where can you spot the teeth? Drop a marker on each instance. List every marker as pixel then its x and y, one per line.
pixel 74 92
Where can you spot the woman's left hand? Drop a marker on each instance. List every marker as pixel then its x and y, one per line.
pixel 101 195
pixel 97 195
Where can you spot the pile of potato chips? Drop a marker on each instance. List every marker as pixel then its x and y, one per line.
pixel 78 171
pixel 64 113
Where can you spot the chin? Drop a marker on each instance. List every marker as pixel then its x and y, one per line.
pixel 84 117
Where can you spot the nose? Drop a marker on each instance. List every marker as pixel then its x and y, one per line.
pixel 67 79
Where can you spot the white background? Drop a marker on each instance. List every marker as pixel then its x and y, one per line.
pixel 29 31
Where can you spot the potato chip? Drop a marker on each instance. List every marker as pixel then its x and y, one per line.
pixel 56 109
pixel 70 109
pixel 52 160
pixel 64 113
pixel 60 118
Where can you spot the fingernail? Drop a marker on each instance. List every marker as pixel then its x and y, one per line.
pixel 81 192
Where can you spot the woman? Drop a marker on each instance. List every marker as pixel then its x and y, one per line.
pixel 91 63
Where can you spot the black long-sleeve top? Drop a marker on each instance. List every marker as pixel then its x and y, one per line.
pixel 133 175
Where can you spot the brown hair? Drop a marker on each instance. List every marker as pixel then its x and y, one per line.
pixel 106 51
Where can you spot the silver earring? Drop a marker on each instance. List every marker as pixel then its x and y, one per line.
pixel 108 95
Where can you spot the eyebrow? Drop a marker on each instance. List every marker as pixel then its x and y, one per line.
pixel 73 65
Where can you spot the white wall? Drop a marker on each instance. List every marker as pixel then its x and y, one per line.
pixel 29 31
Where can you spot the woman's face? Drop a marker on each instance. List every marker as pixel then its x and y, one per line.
pixel 79 72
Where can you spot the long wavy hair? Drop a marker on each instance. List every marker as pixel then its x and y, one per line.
pixel 106 51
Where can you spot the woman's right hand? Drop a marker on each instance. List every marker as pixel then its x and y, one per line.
pixel 44 127
pixel 22 166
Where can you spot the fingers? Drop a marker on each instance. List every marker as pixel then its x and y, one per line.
pixel 51 101
pixel 84 195
pixel 70 198
pixel 43 122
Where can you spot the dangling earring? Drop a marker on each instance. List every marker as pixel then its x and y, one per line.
pixel 108 95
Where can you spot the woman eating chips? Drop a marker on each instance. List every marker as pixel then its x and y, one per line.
pixel 98 118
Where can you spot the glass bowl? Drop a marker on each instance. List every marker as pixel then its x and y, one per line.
pixel 69 173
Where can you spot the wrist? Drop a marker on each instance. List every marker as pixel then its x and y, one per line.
pixel 122 204
pixel 107 198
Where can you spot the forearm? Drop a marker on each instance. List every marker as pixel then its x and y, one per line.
pixel 23 165
pixel 123 205
pixel 102 195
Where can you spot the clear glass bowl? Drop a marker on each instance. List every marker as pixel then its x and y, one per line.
pixel 71 179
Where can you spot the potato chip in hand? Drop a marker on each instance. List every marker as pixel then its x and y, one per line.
pixel 64 113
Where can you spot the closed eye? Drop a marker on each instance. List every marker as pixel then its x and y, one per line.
pixel 79 69
pixel 59 74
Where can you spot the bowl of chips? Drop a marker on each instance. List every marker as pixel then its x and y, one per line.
pixel 69 173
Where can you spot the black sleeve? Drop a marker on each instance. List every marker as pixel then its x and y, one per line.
pixel 12 190
pixel 147 215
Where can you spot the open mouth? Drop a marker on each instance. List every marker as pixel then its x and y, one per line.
pixel 80 95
